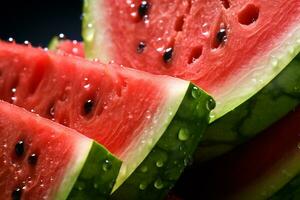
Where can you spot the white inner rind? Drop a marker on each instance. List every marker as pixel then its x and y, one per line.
pixel 95 37
pixel 75 165
pixel 138 150
pixel 264 69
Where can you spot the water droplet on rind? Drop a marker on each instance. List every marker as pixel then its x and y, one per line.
pixel 89 32
pixel 196 93
pixel 144 169
pixel 143 186
pixel 183 134
pixel 158 184
pixel 211 104
pixel 159 163
pixel 106 165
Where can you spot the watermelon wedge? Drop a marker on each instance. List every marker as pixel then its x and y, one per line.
pixel 41 159
pixel 232 49
pixel 73 47
pixel 152 123
pixel 256 170
pixel 269 105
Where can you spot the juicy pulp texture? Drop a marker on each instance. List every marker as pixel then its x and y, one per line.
pixel 256 170
pixel 74 47
pixel 207 38
pixel 60 155
pixel 125 110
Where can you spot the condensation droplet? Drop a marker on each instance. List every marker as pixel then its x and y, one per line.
pixel 159 163
pixel 142 186
pixel 158 184
pixel 196 93
pixel 106 165
pixel 211 104
pixel 148 114
pixel 144 169
pixel 183 134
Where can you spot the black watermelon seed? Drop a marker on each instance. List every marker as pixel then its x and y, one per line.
pixel 141 47
pixel 19 148
pixel 16 194
pixel 143 8
pixel 32 159
pixel 221 35
pixel 168 55
pixel 88 106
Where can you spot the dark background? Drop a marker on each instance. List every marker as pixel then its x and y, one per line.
pixel 39 20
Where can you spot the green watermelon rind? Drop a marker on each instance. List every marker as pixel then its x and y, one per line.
pixel 53 44
pixel 291 191
pixel 270 66
pixel 269 105
pixel 97 175
pixel 168 158
pixel 88 33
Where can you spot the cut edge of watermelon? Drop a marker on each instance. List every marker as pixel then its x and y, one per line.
pixel 268 67
pixel 162 167
pixel 95 35
pixel 80 168
pixel 74 168
pixel 155 130
pixel 91 40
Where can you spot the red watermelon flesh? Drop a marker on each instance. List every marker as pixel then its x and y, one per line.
pixel 73 47
pixel 255 170
pixel 41 159
pixel 125 110
pixel 217 44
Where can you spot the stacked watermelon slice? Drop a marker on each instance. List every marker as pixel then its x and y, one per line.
pixel 120 116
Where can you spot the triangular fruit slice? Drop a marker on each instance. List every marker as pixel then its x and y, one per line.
pixel 256 170
pixel 154 122
pixel 41 159
pixel 230 48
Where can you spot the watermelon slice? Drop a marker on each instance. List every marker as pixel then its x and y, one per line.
pixel 44 160
pixel 232 49
pixel 272 103
pixel 152 123
pixel 256 170
pixel 73 47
